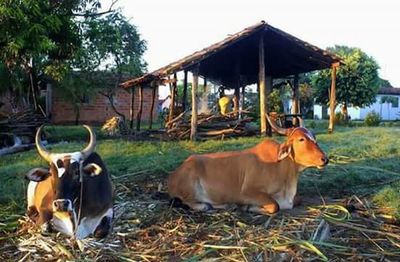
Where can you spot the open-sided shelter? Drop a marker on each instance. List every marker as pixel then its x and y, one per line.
pixel 256 54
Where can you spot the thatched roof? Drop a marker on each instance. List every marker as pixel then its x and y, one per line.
pixel 284 55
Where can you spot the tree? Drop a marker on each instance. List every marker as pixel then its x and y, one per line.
pixel 36 36
pixel 357 79
pixel 116 46
pixel 66 41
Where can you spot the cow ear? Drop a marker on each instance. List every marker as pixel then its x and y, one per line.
pixel 284 151
pixel 92 169
pixel 37 174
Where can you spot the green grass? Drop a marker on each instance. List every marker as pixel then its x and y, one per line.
pixel 364 161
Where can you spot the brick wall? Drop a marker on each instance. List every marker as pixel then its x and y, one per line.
pixel 98 110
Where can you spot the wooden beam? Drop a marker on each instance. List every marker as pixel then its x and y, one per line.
pixel 261 83
pixel 139 113
pixel 185 87
pixel 173 98
pixel 131 113
pixel 193 125
pixel 332 98
pixel 295 99
pixel 153 98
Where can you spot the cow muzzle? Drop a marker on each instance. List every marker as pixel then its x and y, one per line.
pixel 325 161
pixel 62 205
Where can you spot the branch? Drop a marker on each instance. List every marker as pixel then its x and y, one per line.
pixel 110 10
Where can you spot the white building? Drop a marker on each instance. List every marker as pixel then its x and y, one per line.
pixel 387 110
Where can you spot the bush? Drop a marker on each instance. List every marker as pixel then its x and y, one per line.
pixel 339 119
pixel 372 119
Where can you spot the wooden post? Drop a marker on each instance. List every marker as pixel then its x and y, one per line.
pixel 268 90
pixel 261 83
pixel 193 126
pixel 236 86
pixel 205 86
pixel 185 86
pixel 139 113
pixel 173 98
pixel 132 106
pixel 332 98
pixel 153 98
pixel 295 99
pixel 242 97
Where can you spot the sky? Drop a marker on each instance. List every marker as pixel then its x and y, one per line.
pixel 176 28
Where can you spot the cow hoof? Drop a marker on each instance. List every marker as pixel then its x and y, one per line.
pixel 103 228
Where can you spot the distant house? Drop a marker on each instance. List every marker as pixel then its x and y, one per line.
pixel 95 109
pixel 386 105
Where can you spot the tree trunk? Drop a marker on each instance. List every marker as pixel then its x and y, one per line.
pixel 332 98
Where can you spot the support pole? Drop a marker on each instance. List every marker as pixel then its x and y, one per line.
pixel 193 125
pixel 173 98
pixel 261 83
pixel 332 98
pixel 139 113
pixel 153 98
pixel 205 86
pixel 184 95
pixel 295 99
pixel 268 90
pixel 237 87
pixel 131 113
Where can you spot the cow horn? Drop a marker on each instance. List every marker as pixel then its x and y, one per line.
pixel 278 129
pixel 46 155
pixel 92 143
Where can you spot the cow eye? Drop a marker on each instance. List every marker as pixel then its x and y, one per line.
pixel 301 139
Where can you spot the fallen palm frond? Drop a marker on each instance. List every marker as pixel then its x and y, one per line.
pixel 147 229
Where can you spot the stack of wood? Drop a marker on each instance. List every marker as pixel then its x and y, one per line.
pixel 18 130
pixel 210 126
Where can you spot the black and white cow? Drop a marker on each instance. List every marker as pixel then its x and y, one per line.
pixel 74 195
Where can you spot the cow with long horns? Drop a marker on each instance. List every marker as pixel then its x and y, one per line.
pixel 261 179
pixel 73 195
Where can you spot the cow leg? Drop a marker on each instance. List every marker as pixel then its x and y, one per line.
pixel 44 220
pixel 103 228
pixel 33 213
pixel 261 203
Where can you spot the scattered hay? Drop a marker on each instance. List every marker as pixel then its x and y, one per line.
pixel 147 229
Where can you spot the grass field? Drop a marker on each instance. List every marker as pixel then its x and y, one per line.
pixel 364 161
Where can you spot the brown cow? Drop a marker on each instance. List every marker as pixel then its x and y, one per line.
pixel 73 195
pixel 263 178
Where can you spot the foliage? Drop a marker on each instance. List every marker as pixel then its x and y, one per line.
pixel 275 101
pixel 357 80
pixel 372 119
pixel 306 98
pixel 384 83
